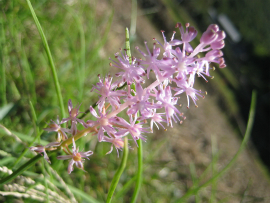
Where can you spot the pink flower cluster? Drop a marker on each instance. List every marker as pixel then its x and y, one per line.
pixel 175 70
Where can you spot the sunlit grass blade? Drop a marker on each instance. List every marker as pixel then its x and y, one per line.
pixel 214 167
pixel 3 54
pixel 194 178
pixel 49 55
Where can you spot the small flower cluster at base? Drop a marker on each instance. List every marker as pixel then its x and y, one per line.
pixel 76 157
pixel 175 64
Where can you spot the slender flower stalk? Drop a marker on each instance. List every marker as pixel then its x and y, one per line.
pixel 139 175
pixel 118 172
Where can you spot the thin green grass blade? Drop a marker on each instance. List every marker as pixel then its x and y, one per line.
pixel 194 190
pixel 49 55
pixel 3 54
pixel 214 167
pixel 194 178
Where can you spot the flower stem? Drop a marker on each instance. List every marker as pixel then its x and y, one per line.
pixel 118 172
pixel 128 46
pixel 139 173
pixel 78 136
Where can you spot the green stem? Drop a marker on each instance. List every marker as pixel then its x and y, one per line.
pixel 128 46
pixel 77 136
pixel 194 190
pixel 118 172
pixel 49 55
pixel 139 172
pixel 140 151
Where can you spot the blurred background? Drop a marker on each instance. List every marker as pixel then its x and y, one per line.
pixel 82 35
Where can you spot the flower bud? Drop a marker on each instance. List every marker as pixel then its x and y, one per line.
pixel 218 44
pixel 221 35
pixel 213 27
pixel 208 36
pixel 214 53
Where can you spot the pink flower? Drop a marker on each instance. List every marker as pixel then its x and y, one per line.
pixel 73 113
pixel 164 96
pixel 117 142
pixel 168 45
pixel 155 118
pixel 190 92
pixel 187 36
pixel 131 72
pixel 140 102
pixel 151 59
pixel 108 93
pixel 76 157
pixel 61 132
pixel 42 149
pixel 135 129
pixel 104 123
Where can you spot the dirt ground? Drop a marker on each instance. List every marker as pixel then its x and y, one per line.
pixel 205 127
